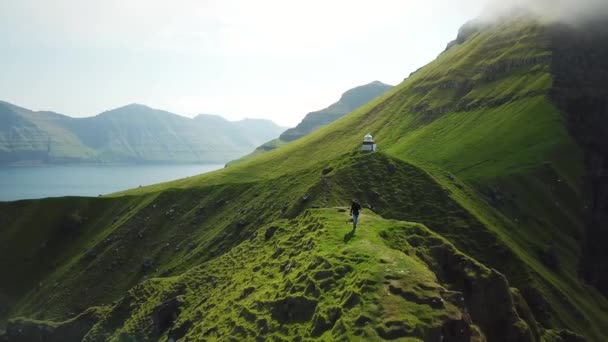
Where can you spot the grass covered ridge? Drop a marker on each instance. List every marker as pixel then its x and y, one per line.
pixel 173 234
pixel 472 150
pixel 312 277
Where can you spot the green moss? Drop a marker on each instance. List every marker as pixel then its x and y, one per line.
pixel 233 296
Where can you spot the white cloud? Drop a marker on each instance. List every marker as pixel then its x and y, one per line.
pixel 562 10
pixel 231 26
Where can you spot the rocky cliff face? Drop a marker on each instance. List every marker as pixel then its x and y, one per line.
pixel 580 68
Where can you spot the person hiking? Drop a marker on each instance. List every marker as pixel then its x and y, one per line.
pixel 354 212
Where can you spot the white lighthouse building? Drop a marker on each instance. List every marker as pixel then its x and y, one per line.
pixel 368 144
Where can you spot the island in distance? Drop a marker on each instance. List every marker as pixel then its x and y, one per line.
pixel 131 134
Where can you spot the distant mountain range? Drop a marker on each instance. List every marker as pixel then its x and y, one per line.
pixel 349 101
pixel 133 133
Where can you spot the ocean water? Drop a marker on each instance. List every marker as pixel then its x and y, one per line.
pixel 27 182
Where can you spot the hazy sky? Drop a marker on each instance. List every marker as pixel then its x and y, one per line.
pixel 275 59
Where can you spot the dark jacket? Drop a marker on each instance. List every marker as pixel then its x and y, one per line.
pixel 355 208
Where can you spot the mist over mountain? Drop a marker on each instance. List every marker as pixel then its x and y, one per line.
pixel 566 11
pixel 133 133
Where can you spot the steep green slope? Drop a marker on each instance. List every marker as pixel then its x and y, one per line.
pixel 133 133
pixel 481 114
pixel 348 102
pixel 479 80
pixel 133 238
pixel 473 150
pixel 312 277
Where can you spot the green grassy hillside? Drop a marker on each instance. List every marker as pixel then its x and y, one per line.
pixel 348 102
pixel 372 285
pixel 474 83
pixel 126 240
pixel 472 226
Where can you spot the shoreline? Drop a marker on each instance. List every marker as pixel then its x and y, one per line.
pixel 37 164
pixel 31 182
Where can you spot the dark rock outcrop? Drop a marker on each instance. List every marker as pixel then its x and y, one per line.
pixel 26 330
pixel 483 294
pixel 166 313
pixel 293 309
pixel 580 69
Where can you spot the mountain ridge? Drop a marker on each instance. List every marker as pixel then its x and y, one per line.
pixel 131 133
pixel 349 101
pixel 473 229
pixel 534 151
